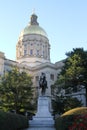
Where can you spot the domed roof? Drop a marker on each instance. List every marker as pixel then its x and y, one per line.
pixel 33 27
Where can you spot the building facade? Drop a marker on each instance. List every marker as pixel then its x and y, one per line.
pixel 33 55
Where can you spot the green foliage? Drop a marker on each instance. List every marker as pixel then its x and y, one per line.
pixel 62 123
pixel 61 104
pixel 74 71
pixel 9 121
pixel 72 76
pixel 70 103
pixel 58 106
pixel 16 91
pixel 67 119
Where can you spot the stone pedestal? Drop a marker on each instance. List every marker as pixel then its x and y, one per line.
pixel 43 119
pixel 43 109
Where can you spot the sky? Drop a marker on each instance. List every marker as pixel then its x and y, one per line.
pixel 65 22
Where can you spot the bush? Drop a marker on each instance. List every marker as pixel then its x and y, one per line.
pixel 63 104
pixel 72 120
pixel 10 121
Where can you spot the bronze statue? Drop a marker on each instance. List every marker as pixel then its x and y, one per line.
pixel 43 83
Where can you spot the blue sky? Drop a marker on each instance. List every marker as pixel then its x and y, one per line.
pixel 65 22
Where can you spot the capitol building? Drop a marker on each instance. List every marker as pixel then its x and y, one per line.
pixel 33 55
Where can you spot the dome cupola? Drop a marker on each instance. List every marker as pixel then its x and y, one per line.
pixel 33 44
pixel 33 20
pixel 33 27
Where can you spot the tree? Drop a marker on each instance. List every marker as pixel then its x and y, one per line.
pixel 72 76
pixel 74 72
pixel 16 91
pixel 75 67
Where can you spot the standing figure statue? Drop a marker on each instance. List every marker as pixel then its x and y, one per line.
pixel 43 84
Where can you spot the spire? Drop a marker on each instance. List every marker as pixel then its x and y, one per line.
pixel 33 11
pixel 33 19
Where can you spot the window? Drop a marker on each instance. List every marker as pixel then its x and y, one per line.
pixel 52 76
pixel 37 52
pixel 31 52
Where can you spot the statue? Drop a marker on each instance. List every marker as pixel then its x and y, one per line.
pixel 43 83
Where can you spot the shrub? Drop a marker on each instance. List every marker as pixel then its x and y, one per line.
pixel 75 119
pixel 63 104
pixel 79 123
pixel 10 121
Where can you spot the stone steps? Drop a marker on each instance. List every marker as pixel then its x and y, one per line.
pixel 41 123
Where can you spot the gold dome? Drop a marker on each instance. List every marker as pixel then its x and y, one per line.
pixel 33 27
